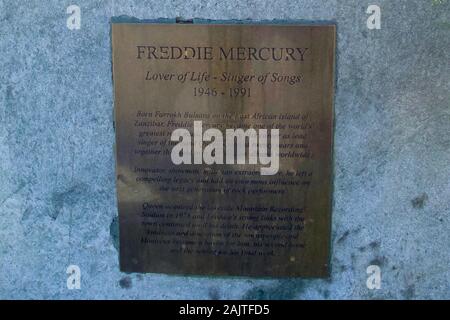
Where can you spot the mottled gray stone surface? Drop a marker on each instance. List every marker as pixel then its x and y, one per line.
pixel 392 151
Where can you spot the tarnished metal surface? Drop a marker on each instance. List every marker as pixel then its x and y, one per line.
pixel 225 218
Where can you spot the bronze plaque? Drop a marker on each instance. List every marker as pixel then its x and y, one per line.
pixel 224 148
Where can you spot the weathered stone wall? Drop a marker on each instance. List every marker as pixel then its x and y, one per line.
pixel 392 151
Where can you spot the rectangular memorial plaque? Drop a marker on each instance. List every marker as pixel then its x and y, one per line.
pixel 224 148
